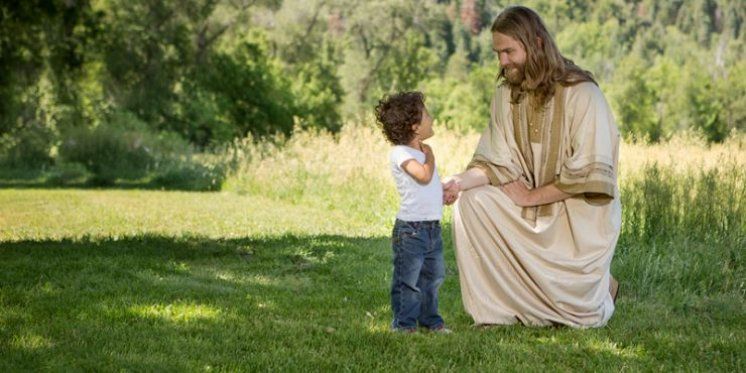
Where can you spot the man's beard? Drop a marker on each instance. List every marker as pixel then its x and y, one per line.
pixel 514 75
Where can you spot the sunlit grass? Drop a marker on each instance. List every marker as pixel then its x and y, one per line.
pixel 30 342
pixel 177 313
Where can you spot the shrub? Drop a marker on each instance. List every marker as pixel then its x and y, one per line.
pixel 68 173
pixel 191 176
pixel 27 147
pixel 123 148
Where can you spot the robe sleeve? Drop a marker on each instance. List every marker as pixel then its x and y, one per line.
pixel 493 154
pixel 591 168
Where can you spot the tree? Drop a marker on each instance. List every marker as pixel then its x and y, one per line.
pixel 633 101
pixel 43 49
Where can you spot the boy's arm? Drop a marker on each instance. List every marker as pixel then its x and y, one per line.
pixel 422 173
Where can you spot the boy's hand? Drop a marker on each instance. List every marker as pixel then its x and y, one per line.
pixel 451 190
pixel 427 150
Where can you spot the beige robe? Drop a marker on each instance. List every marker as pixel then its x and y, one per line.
pixel 549 264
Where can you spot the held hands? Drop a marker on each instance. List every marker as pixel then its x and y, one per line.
pixel 451 189
pixel 517 191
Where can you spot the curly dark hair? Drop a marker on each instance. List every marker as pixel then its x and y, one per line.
pixel 397 113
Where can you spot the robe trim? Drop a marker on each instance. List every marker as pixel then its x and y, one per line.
pixel 551 137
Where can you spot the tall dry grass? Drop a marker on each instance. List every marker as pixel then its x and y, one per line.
pixel 316 165
pixel 684 201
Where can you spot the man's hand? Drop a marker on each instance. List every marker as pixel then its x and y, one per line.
pixel 519 193
pixel 524 197
pixel 451 190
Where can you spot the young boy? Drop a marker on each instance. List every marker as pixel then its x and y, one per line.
pixel 419 269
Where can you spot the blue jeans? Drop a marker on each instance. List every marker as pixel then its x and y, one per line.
pixel 419 271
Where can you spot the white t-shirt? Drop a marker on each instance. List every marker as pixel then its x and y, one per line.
pixel 418 202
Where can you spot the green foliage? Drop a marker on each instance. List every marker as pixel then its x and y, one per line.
pixel 64 173
pixel 190 176
pixel 407 66
pixel 212 71
pixel 731 93
pixel 28 147
pixel 249 92
pixel 591 46
pixel 108 153
pixel 318 95
pixel 43 43
pixel 200 112
pixel 385 50
pixel 633 99
pixel 678 90
pixel 146 49
pixel 122 148
pixel 463 105
pixel 706 111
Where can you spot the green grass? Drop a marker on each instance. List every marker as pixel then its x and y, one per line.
pixel 289 267
pixel 153 280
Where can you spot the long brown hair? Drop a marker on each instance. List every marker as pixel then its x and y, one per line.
pixel 545 66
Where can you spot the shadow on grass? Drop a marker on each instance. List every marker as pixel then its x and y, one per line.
pixel 137 302
pixel 155 303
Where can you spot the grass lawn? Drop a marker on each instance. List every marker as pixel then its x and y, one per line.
pixel 150 280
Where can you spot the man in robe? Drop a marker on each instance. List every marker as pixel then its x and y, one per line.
pixel 538 213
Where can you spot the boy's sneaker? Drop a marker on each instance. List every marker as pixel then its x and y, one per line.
pixel 441 330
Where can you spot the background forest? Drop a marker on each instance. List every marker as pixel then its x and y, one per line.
pixel 110 89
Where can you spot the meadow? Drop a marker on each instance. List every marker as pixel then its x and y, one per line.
pixel 288 267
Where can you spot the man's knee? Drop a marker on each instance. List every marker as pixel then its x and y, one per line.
pixel 472 198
